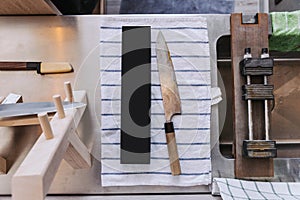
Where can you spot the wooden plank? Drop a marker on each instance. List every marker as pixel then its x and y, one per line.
pixel 3 167
pixel 35 175
pixel 254 36
pixel 11 98
pixel 77 155
pixel 27 7
pixel 22 121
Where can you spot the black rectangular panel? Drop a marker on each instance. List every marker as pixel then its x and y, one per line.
pixel 135 95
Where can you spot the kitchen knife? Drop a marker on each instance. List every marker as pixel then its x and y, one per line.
pixel 171 99
pixel 40 67
pixel 24 109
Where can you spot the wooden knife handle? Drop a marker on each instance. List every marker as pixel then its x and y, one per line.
pixel 172 149
pixel 13 65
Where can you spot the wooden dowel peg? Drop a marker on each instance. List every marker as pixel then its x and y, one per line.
pixel 59 106
pixel 44 121
pixel 68 91
pixel 1 99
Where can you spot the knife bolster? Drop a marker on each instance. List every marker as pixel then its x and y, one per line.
pixel 169 127
pixel 33 66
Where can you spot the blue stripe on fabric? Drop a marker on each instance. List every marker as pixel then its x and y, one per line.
pixel 110 129
pixel 195 129
pixel 165 158
pixel 161 28
pixel 187 129
pixel 156 173
pixel 180 28
pixel 188 114
pixel 179 70
pixel 208 99
pixel 169 42
pixel 158 85
pixel 199 99
pixel 174 56
pixel 164 143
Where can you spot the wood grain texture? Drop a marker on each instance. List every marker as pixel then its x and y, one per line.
pixel 77 155
pixel 3 168
pixel 27 7
pixel 254 36
pixel 22 121
pixel 11 98
pixel 173 154
pixel 12 65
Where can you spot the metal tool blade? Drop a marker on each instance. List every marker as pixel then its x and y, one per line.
pixel 169 88
pixel 24 109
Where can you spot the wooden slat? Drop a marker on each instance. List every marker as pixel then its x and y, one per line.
pixel 27 7
pixel 254 36
pixel 11 98
pixel 77 154
pixel 35 175
pixel 22 121
pixel 3 168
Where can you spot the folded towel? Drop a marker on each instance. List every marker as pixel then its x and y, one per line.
pixel 187 39
pixel 285 31
pixel 239 189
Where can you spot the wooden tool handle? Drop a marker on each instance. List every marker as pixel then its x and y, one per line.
pixel 172 149
pixel 13 65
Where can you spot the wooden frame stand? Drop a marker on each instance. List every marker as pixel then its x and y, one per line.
pixel 254 36
pixel 33 178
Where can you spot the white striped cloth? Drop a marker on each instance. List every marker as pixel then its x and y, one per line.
pixel 255 190
pixel 187 39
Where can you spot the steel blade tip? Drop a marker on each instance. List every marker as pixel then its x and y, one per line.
pixel 161 42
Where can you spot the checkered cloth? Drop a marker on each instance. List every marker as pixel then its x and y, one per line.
pixel 239 189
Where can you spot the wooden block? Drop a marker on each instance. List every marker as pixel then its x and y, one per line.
pixel 3 168
pixel 28 7
pixel 11 98
pixel 35 175
pixel 22 121
pixel 77 154
pixel 254 36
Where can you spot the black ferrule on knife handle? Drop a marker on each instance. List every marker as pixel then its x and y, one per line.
pixel 169 127
pixel 34 66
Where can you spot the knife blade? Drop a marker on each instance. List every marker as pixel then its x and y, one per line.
pixel 32 108
pixel 171 98
pixel 40 67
